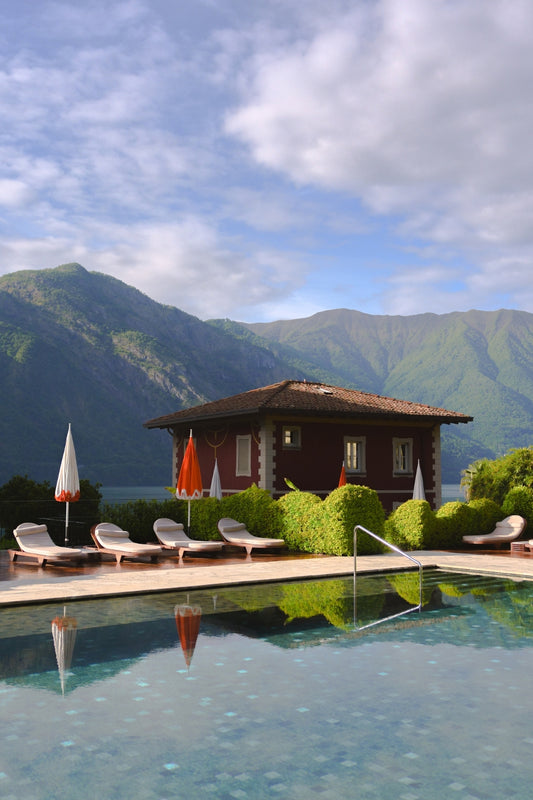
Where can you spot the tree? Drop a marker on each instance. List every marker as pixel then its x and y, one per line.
pixel 494 479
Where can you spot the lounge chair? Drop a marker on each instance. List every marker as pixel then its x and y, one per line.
pixel 507 530
pixel 35 542
pixel 235 533
pixel 109 538
pixel 172 536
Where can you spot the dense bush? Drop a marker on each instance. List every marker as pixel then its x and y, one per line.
pixel 412 526
pixel 454 520
pixel 519 500
pixel 138 516
pixel 327 526
pixel 256 508
pixel 205 513
pixel 341 511
pixel 486 515
pixel 299 509
pixel 25 500
pixel 494 479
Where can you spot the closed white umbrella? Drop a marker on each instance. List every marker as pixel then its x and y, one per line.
pixel 68 482
pixel 64 635
pixel 216 487
pixel 418 489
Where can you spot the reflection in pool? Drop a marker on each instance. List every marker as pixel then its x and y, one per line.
pixel 270 691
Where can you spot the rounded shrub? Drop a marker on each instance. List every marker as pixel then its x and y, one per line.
pixel 412 526
pixel 454 520
pixel 519 500
pixel 343 509
pixel 486 514
pixel 299 510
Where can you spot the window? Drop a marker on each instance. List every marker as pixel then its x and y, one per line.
pixel 244 455
pixel 291 437
pixel 354 454
pixel 403 461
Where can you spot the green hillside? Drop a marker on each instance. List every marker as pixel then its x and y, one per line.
pixel 476 362
pixel 85 348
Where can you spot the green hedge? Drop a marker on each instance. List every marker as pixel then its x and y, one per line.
pixel 412 526
pixel 298 512
pixel 487 513
pixel 455 520
pixel 345 508
pixel 327 526
pixel 519 500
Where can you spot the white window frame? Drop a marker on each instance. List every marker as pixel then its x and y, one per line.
pixel 402 456
pixel 243 456
pixel 295 434
pixel 359 443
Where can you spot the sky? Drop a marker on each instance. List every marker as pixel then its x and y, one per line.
pixel 270 159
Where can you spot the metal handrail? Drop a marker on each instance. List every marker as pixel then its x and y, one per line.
pixel 396 550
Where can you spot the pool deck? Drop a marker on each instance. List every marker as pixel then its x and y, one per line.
pixel 24 584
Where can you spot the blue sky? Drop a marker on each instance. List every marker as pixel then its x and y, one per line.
pixel 271 159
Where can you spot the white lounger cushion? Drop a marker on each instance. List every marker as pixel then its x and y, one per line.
pixel 32 538
pixel 236 532
pixel 112 537
pixel 505 531
pixel 172 535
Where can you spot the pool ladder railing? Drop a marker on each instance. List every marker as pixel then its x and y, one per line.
pixel 396 550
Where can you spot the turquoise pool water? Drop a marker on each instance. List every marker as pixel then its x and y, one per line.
pixel 283 695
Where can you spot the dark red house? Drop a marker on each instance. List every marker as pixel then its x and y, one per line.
pixel 304 431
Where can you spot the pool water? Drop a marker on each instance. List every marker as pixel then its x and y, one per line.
pixel 283 693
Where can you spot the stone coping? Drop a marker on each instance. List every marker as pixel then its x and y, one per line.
pixel 44 587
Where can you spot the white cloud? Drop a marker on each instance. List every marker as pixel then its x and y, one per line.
pixel 230 157
pixel 412 106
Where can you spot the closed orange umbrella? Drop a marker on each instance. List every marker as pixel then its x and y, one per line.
pixel 188 625
pixel 190 478
pixel 342 479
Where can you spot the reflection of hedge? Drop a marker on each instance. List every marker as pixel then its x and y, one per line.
pixel 407 586
pixel 318 598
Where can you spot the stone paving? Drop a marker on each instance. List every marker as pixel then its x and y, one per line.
pixel 27 584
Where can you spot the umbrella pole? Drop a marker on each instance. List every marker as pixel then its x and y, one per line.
pixel 66 524
pixel 189 517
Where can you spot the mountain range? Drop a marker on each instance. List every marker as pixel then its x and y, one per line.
pixel 85 348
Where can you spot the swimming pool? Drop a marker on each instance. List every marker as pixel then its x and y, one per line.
pixel 282 696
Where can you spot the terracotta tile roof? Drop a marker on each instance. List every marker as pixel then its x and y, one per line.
pixel 308 399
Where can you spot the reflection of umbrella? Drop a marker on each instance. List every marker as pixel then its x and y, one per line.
pixel 64 636
pixel 216 487
pixel 188 625
pixel 68 482
pixel 418 489
pixel 190 479
pixel 342 479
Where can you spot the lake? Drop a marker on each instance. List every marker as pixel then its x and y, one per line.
pixel 114 495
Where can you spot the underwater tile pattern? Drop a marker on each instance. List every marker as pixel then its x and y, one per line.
pixel 435 707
